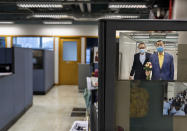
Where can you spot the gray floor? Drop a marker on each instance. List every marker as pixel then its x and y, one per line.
pixel 51 112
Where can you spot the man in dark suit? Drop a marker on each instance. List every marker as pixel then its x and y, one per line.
pixel 162 63
pixel 140 59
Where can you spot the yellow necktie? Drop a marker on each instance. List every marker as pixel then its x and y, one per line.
pixel 161 60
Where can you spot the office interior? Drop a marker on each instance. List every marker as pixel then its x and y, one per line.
pixel 33 76
pixel 53 74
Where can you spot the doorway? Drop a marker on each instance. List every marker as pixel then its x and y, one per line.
pixel 69 57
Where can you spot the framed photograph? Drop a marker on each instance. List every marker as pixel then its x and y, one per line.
pixel 96 55
pixel 175 99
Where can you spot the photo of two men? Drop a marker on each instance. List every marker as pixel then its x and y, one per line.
pixel 160 62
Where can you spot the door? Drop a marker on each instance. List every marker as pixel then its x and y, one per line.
pixel 69 57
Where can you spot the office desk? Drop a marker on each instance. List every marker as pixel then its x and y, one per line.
pixel 6 74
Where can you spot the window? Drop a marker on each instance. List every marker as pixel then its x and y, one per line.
pixel 70 51
pixel 47 43
pixel 27 42
pixel 34 42
pixel 88 55
pixel 2 42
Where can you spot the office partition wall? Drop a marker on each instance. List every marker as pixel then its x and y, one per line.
pixel 108 80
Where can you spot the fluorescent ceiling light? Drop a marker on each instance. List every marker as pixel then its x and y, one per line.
pixel 56 16
pixel 58 22
pixel 141 37
pixel 135 34
pixel 171 37
pixel 120 17
pixel 117 6
pixel 39 5
pixel 6 22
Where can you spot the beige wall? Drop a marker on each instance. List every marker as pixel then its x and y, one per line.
pixel 182 62
pixel 179 123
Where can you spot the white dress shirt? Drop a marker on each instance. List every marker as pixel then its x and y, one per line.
pixel 182 108
pixel 142 58
pixel 173 111
pixel 166 107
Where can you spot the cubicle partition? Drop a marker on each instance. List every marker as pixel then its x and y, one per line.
pixel 16 88
pixel 84 72
pixel 43 71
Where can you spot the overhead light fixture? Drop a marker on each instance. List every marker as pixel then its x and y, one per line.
pixel 172 37
pixel 119 17
pixel 141 37
pixel 140 34
pixel 39 5
pixel 58 22
pixel 123 5
pixel 6 22
pixel 56 16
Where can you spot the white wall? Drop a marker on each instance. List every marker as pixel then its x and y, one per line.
pixel 56 60
pixel 127 48
pixel 52 30
pixel 8 40
pixel 175 88
pixel 83 45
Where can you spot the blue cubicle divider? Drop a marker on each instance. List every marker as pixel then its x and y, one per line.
pixel 43 77
pixel 49 69
pixel 16 90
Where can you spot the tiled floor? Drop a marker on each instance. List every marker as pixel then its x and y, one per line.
pixel 51 112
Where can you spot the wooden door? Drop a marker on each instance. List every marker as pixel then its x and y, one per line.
pixel 69 57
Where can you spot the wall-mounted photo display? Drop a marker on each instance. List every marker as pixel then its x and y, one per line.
pixel 148 55
pixel 175 99
pixel 96 55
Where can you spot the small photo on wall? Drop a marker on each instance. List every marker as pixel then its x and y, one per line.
pixel 139 99
pixel 145 53
pixel 175 99
pixel 96 55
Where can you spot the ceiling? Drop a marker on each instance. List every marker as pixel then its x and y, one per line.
pixel 151 37
pixel 79 11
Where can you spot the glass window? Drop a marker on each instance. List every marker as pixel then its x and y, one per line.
pixel 70 51
pixel 47 43
pixel 2 42
pixel 27 42
pixel 34 42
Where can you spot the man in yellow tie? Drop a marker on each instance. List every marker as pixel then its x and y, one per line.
pixel 162 63
pixel 161 58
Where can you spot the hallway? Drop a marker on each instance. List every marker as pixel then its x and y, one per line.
pixel 51 112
